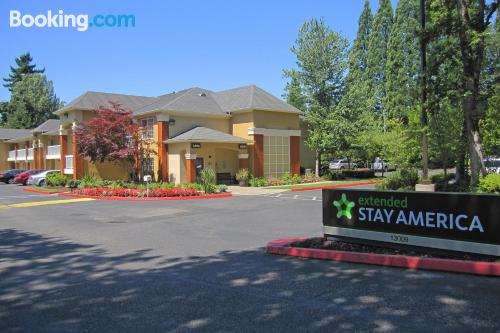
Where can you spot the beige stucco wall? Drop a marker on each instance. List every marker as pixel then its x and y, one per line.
pixel 276 120
pixel 177 162
pixel 183 124
pixel 240 123
pixel 307 156
pixel 107 170
pixel 222 157
pixel 4 154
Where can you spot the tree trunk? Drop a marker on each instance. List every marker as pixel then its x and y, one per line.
pixel 318 162
pixel 472 58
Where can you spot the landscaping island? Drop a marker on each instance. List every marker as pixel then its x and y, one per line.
pixel 319 248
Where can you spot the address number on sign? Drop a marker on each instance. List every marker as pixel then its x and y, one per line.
pixel 399 238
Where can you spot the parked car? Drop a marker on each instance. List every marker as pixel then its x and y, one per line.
pixel 39 179
pixel 8 176
pixel 22 178
pixel 341 164
pixel 382 165
pixel 492 165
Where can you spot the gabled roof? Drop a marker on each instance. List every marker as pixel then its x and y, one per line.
pixel 11 133
pixel 204 134
pixel 251 97
pixel 193 100
pixel 92 99
pixel 51 125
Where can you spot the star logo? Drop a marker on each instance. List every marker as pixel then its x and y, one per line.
pixel 344 207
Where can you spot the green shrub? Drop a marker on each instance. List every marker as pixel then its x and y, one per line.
pixel 221 188
pixel 208 180
pixel 56 179
pixel 442 182
pixel 334 175
pixel 242 174
pixel 257 182
pixel 358 173
pixel 489 184
pixel 288 178
pixel 273 181
pixel 310 177
pixel 115 184
pixel 88 181
pixel 167 185
pixel 194 186
pixel 72 183
pixel 402 180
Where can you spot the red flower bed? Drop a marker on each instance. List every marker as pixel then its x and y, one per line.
pixel 126 192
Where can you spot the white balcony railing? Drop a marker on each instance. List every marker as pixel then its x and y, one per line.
pixel 68 169
pixel 53 152
pixel 12 155
pixel 21 155
pixel 30 154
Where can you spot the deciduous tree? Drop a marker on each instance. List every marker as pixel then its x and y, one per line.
pixel 112 135
pixel 322 62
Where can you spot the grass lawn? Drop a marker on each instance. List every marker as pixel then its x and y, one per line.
pixel 49 189
pixel 328 183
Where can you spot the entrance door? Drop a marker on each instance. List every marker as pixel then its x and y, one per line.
pixel 199 166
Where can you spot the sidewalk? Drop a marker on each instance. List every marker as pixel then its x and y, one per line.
pixel 237 190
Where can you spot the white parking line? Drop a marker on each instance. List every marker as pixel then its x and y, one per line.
pixel 294 197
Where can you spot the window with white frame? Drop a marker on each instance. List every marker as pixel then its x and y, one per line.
pixel 148 166
pixel 147 128
pixel 276 155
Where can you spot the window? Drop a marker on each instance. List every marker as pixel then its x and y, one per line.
pixel 148 166
pixel 147 128
pixel 276 155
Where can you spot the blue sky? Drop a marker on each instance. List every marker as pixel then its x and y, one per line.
pixel 176 44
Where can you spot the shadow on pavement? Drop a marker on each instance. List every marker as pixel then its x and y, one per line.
pixel 53 285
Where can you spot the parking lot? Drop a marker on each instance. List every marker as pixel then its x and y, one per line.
pixel 199 265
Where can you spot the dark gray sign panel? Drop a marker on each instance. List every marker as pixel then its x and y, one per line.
pixel 451 221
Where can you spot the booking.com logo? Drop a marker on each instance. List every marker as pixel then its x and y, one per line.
pixel 80 22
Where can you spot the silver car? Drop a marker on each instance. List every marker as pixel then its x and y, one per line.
pixel 39 178
pixel 341 164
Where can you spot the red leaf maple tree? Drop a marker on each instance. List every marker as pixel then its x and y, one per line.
pixel 113 136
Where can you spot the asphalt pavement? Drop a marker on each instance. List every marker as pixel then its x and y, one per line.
pixel 174 266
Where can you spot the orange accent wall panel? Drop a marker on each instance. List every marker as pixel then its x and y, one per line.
pixel 243 163
pixel 258 155
pixel 295 155
pixel 190 171
pixel 77 160
pixel 163 134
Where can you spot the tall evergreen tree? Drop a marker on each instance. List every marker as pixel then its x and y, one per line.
pixel 24 67
pixel 403 61
pixel 490 130
pixel 356 98
pixel 377 57
pixel 32 102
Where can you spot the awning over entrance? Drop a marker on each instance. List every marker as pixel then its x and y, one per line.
pixel 204 134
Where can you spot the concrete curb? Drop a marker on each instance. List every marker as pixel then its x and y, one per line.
pixel 298 189
pixel 193 197
pixel 281 247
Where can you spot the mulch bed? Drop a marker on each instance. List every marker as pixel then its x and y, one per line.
pixel 320 243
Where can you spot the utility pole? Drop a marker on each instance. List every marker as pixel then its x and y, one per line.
pixel 424 120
